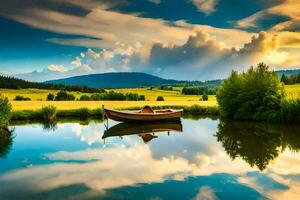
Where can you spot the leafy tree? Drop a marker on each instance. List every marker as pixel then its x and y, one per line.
pixel 50 97
pixel 160 98
pixel 205 97
pixel 21 98
pixel 64 96
pixel 199 90
pixel 5 111
pixel 142 98
pixel 85 98
pixel 254 95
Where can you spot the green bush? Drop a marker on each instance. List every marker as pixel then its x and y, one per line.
pixel 142 98
pixel 21 98
pixel 49 112
pixel 253 95
pixel 205 97
pixel 5 111
pixel 160 98
pixel 132 96
pixel 84 113
pixel 64 96
pixel 50 97
pixel 199 90
pixel 289 111
pixel 85 98
pixel 111 95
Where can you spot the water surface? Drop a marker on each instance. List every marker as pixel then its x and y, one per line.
pixel 198 159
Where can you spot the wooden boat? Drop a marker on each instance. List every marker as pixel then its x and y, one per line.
pixel 146 114
pixel 142 129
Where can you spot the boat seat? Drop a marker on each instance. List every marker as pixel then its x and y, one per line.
pixel 147 109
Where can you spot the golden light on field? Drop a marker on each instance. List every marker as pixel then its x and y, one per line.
pixel 69 105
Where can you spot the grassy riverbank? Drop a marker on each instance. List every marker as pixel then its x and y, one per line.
pixel 71 105
pixel 84 113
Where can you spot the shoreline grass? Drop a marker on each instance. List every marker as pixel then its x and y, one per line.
pixel 85 113
pixel 71 105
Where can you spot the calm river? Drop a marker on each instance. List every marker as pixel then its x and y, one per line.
pixel 197 159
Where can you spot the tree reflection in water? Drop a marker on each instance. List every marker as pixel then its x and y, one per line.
pixel 6 140
pixel 257 143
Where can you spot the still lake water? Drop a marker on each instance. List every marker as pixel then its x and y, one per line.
pixel 197 159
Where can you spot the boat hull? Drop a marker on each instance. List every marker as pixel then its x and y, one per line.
pixel 130 116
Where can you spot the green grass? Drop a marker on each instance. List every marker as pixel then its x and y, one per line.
pixel 82 113
pixel 85 113
pixel 151 95
pixel 33 94
pixel 38 99
pixel 173 95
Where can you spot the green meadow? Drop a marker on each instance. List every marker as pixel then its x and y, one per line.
pixel 38 99
pixel 172 98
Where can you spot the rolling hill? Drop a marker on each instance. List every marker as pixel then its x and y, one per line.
pixel 115 80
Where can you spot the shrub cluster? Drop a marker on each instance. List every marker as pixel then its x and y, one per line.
pixel 50 97
pixel 160 98
pixel 199 90
pixel 49 112
pixel 21 98
pixel 61 96
pixel 253 95
pixel 111 95
pixel 5 111
pixel 165 87
pixel 204 97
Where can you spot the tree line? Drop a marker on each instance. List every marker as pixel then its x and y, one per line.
pixel 290 80
pixel 111 95
pixel 199 90
pixel 15 83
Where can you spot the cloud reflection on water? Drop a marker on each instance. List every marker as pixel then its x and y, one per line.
pixel 192 153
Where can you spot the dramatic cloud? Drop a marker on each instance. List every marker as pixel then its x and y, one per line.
pixel 106 28
pixel 206 6
pixel 288 8
pixel 123 41
pixel 202 56
pixel 57 68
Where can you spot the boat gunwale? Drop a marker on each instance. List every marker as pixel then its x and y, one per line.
pixel 134 112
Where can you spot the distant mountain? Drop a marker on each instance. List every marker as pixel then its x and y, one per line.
pixel 126 80
pixel 115 80
pixel 288 72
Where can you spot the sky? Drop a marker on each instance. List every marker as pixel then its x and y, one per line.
pixel 179 39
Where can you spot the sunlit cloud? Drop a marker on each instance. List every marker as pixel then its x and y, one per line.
pixel 206 193
pixel 129 41
pixel 206 6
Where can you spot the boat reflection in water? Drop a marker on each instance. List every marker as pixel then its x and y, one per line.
pixel 147 131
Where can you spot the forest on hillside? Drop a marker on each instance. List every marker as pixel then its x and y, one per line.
pixel 15 83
